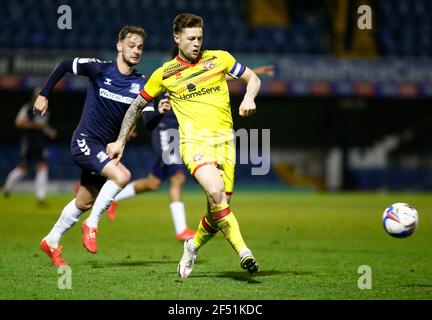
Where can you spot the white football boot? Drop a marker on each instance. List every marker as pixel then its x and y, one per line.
pixel 187 261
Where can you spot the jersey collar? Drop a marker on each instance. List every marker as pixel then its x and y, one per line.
pixel 187 64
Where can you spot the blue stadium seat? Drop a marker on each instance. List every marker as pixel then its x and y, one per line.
pixel 225 24
pixel 410 22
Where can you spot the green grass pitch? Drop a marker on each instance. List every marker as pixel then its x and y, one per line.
pixel 309 246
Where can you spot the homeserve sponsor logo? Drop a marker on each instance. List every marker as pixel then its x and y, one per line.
pixel 114 96
pixel 201 92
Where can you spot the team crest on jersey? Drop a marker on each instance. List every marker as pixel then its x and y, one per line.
pixel 208 65
pixel 135 88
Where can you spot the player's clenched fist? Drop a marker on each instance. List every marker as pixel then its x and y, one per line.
pixel 164 106
pixel 41 105
pixel 247 108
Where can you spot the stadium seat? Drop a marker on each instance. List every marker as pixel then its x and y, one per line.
pixel 403 26
pixel 225 19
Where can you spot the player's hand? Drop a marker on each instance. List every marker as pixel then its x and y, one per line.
pixel 38 125
pixel 41 105
pixel 132 134
pixel 265 70
pixel 164 106
pixel 115 150
pixel 50 132
pixel 247 108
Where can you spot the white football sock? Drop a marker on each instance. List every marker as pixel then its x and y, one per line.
pixel 69 216
pixel 244 253
pixel 178 215
pixel 13 177
pixel 105 197
pixel 41 183
pixel 127 192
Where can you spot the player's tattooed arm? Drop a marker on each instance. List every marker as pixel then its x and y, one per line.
pixel 131 117
pixel 115 149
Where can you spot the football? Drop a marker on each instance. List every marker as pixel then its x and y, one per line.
pixel 400 220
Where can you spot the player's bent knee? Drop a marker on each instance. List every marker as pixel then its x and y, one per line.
pixel 41 165
pixel 154 184
pixel 122 178
pixel 178 179
pixel 215 196
pixel 23 167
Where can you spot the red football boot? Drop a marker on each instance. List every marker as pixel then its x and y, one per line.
pixel 111 214
pixel 186 234
pixel 53 253
pixel 89 237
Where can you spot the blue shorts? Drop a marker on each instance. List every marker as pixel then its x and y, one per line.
pixel 30 155
pixel 159 168
pixel 164 171
pixel 90 179
pixel 89 154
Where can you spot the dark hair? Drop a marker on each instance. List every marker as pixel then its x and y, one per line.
pixel 187 20
pixel 132 29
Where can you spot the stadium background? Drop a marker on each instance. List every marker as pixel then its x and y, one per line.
pixel 348 109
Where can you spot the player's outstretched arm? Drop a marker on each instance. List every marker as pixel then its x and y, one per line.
pixel 22 121
pixel 268 71
pixel 78 66
pixel 115 149
pixel 265 70
pixel 41 103
pixel 248 107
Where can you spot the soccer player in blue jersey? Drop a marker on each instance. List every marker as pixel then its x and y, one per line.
pixel 33 149
pixel 112 88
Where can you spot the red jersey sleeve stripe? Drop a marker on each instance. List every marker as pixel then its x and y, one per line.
pixel 146 96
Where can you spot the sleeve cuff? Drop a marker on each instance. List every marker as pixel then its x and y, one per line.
pixel 146 96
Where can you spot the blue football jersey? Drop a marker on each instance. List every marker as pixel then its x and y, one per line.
pixel 109 95
pixel 159 123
